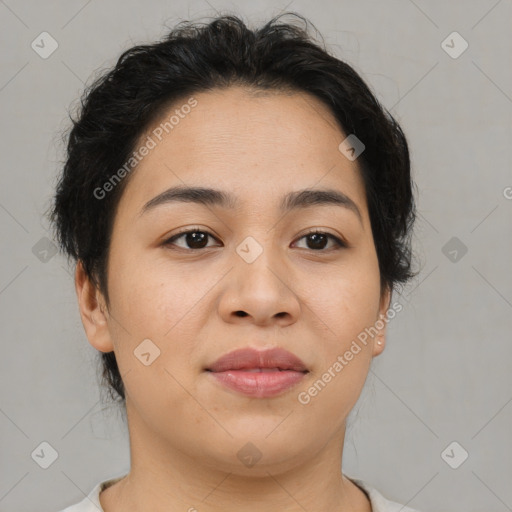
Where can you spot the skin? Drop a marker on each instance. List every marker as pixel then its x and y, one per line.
pixel 185 428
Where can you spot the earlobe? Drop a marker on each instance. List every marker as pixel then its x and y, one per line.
pixel 92 311
pixel 379 344
pixel 380 340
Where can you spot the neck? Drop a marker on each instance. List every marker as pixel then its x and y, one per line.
pixel 163 478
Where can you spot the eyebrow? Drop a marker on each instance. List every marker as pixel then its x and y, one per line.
pixel 213 197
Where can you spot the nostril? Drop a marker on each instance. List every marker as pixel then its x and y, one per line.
pixel 241 313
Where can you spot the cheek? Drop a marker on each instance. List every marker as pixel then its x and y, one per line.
pixel 346 348
pixel 151 304
pixel 159 302
pixel 151 297
pixel 349 303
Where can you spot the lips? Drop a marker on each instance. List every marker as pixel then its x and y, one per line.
pixel 258 374
pixel 254 360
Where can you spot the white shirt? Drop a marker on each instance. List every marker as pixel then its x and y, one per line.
pixel 91 503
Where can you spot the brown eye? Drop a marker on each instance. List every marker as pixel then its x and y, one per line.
pixel 317 240
pixel 196 239
pixel 193 239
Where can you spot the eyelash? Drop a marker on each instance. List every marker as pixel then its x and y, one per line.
pixel 339 242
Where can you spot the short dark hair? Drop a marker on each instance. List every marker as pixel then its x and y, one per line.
pixel 120 105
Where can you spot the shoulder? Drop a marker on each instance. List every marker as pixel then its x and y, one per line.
pixel 378 502
pixel 91 503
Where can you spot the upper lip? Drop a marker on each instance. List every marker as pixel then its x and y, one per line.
pixel 249 358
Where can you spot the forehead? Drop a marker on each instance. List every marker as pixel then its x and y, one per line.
pixel 256 144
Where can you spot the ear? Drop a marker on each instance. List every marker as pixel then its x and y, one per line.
pixel 93 311
pixel 379 341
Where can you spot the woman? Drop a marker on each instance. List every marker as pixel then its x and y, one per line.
pixel 239 207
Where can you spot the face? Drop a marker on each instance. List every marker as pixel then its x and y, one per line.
pixel 249 275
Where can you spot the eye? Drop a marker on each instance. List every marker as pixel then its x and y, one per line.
pixel 318 240
pixel 194 238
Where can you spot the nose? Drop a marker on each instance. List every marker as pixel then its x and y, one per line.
pixel 261 293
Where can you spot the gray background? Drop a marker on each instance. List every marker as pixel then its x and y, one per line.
pixel 445 374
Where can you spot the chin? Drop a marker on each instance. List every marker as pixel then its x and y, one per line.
pixel 255 455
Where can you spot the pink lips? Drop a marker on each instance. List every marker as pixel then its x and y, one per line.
pixel 258 373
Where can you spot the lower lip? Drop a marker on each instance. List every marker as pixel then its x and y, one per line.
pixel 259 384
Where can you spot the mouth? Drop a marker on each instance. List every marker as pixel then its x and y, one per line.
pixel 259 374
